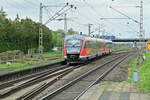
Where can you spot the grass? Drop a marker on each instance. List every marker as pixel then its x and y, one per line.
pixel 52 53
pixel 27 65
pixel 22 64
pixel 121 47
pixel 31 64
pixel 144 73
pixel 18 64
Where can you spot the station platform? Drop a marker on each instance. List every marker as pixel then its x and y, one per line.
pixel 114 91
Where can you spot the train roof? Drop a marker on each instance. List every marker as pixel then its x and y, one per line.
pixel 75 36
pixel 82 37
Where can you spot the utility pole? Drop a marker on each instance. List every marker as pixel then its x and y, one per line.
pixel 141 33
pixel 60 12
pixel 89 28
pixel 141 21
pixel 65 29
pixel 41 31
pixel 103 34
pixel 65 23
pixel 99 29
pixel 141 36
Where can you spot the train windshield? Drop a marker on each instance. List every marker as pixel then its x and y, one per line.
pixel 74 43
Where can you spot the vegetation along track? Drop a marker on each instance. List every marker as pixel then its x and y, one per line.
pixel 75 88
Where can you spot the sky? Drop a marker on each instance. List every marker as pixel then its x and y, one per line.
pixel 95 12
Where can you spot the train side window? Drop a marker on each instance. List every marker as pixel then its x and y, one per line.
pixel 87 44
pixel 109 45
pixel 100 44
pixel 93 44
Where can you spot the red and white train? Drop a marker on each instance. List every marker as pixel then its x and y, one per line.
pixel 79 48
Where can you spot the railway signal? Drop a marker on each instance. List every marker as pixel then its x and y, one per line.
pixel 89 26
pixel 148 46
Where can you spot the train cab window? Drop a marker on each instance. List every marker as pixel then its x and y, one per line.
pixel 74 43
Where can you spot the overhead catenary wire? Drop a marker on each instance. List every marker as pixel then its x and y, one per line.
pixel 100 16
pixel 14 4
pixel 107 20
pixel 93 9
pixel 130 28
pixel 33 4
pixel 56 14
pixel 85 25
pixel 124 15
pixel 91 20
pixel 53 18
pixel 48 13
pixel 86 17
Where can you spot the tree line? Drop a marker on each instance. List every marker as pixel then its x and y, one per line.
pixel 23 34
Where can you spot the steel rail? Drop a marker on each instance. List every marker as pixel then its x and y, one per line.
pixel 31 94
pixel 40 74
pixel 12 82
pixel 54 93
pixel 33 81
pixel 30 82
pixel 101 76
pixel 15 75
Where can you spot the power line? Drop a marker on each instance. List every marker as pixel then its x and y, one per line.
pixel 84 16
pixel 93 9
pixel 141 33
pixel 48 13
pixel 131 28
pixel 14 4
pixel 56 14
pixel 124 15
pixel 97 13
pixel 34 4
pixel 85 25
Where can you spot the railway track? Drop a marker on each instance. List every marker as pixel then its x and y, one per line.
pixel 29 95
pixel 38 81
pixel 27 72
pixel 40 88
pixel 11 87
pixel 40 74
pixel 75 88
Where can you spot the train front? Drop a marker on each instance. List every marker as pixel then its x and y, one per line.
pixel 72 48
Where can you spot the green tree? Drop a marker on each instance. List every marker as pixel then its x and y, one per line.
pixel 22 34
pixel 2 13
pixel 71 31
pixel 57 37
pixel 17 19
